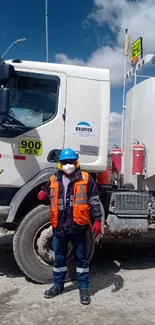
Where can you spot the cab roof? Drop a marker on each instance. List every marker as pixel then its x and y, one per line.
pixel 69 70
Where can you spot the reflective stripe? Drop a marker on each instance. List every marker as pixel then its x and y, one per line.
pixel 55 179
pixel 82 189
pixel 60 269
pixel 82 193
pixel 80 270
pixel 81 196
pixel 79 202
pixel 60 201
pixel 52 192
pixel 52 196
pixel 71 200
pixel 95 197
pixel 94 202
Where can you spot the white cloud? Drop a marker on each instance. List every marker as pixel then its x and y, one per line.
pixel 108 57
pixel 115 129
pixel 137 16
pixel 99 59
pixel 63 58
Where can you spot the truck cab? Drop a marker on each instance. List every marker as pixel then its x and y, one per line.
pixel 45 107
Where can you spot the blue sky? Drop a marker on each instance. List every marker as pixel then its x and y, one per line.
pixel 66 33
pixel 69 32
pixel 89 32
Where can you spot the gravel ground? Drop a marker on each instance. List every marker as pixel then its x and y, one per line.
pixel 122 290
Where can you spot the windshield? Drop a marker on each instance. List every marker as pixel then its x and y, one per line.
pixel 33 101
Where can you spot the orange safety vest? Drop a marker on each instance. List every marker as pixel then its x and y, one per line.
pixel 79 201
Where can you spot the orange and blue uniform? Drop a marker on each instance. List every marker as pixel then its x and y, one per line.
pixel 74 201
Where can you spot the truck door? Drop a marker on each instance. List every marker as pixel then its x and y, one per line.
pixel 34 125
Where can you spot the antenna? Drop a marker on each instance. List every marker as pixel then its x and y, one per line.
pixel 46 21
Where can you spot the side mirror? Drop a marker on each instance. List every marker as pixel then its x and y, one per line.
pixel 53 155
pixel 4 101
pixel 7 71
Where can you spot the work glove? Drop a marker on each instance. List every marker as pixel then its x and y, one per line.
pixel 96 228
pixel 42 196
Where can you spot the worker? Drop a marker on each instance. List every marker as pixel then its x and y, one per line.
pixel 74 200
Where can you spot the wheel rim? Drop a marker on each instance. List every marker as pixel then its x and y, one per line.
pixel 43 245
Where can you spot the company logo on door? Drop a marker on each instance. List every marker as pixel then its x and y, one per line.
pixel 83 129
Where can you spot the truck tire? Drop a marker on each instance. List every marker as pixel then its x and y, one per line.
pixel 33 264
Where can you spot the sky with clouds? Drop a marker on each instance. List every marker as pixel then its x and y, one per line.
pixel 89 32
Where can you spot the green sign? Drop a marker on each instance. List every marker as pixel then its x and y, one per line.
pixel 137 48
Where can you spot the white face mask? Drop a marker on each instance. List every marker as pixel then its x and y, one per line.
pixel 68 169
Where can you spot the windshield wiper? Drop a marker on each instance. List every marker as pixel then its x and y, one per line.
pixel 7 122
pixel 16 127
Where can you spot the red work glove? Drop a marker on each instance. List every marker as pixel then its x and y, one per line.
pixel 42 196
pixel 96 228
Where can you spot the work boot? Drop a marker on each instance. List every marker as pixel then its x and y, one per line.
pixel 84 297
pixel 53 292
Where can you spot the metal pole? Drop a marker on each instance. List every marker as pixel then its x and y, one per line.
pixel 123 115
pixel 7 50
pixel 126 53
pixel 46 21
pixel 132 121
pixel 124 83
pixel 15 42
pixel 123 105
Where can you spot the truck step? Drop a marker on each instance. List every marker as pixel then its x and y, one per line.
pixel 4 211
